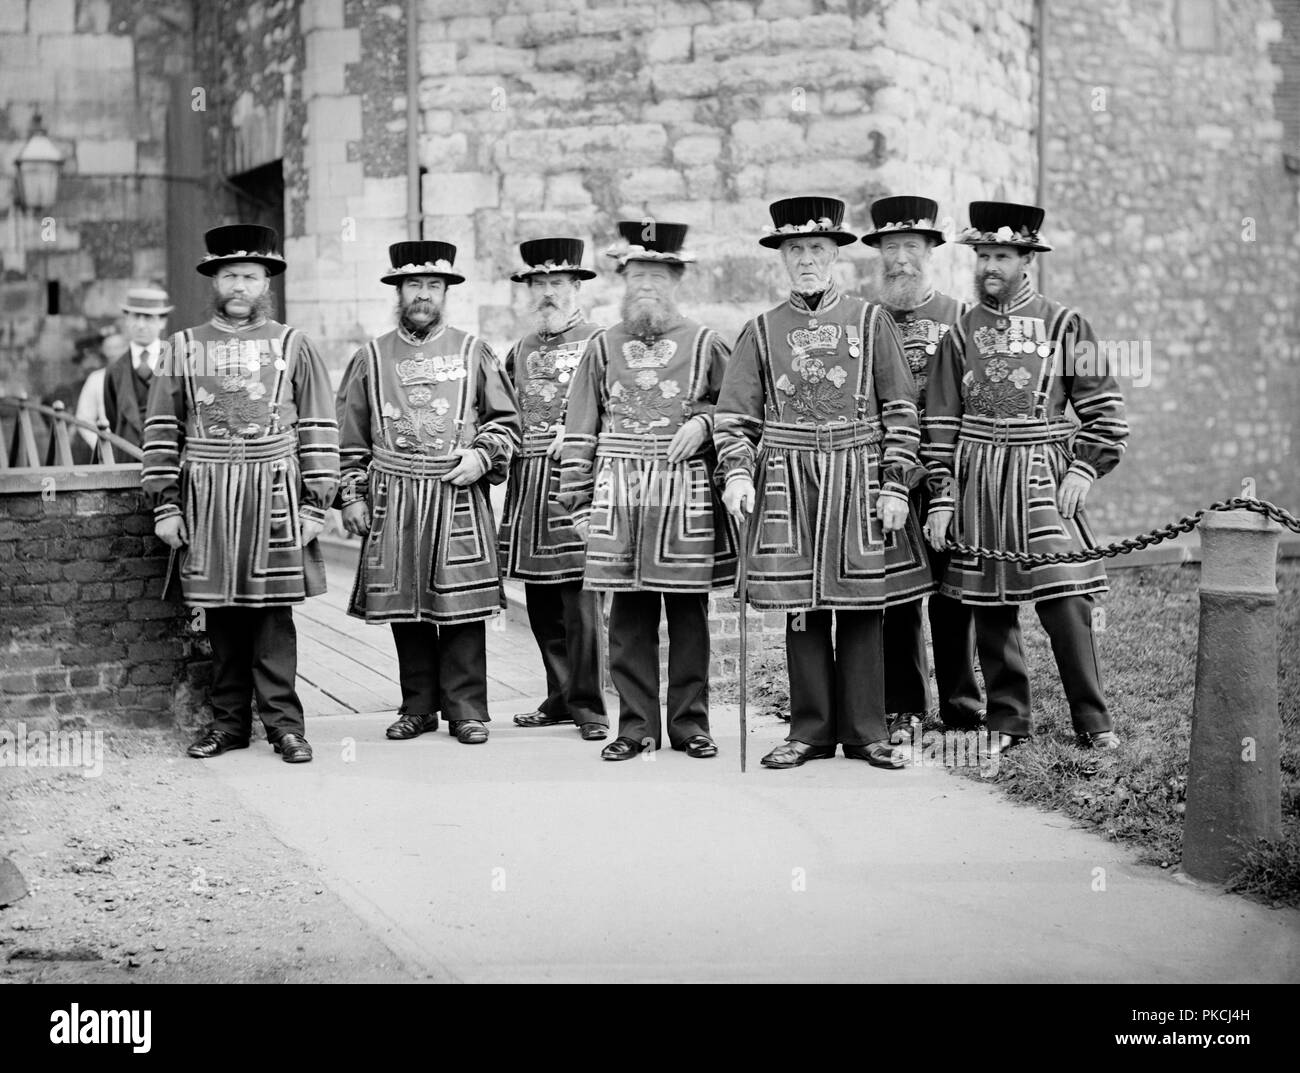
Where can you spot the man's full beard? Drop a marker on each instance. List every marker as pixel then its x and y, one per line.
pixel 902 290
pixel 649 317
pixel 261 308
pixel 550 316
pixel 418 331
pixel 1008 287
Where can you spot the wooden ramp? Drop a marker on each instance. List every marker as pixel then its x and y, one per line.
pixel 345 665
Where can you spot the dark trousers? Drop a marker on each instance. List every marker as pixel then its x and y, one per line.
pixel 907 671
pixel 566 623
pixel 1068 622
pixel 443 668
pixel 837 691
pixel 634 664
pixel 254 650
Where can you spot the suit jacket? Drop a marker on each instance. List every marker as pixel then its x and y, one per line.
pixel 126 398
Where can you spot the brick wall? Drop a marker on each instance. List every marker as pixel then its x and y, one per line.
pixel 1285 52
pixel 97 71
pixel 85 635
pixel 1176 223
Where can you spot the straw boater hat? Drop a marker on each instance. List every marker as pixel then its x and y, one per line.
pixel 543 255
pixel 242 242
pixel 1003 223
pixel 147 300
pixel 650 240
pixel 892 215
pixel 806 217
pixel 423 257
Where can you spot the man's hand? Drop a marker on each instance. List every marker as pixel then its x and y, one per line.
pixel 689 439
pixel 738 498
pixel 891 510
pixel 470 468
pixel 1073 494
pixel 356 518
pixel 311 529
pixel 936 528
pixel 171 531
pixel 553 451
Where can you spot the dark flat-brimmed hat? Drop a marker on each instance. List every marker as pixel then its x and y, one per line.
pixel 650 240
pixel 147 300
pixel 806 217
pixel 242 242
pixel 1004 223
pixel 423 257
pixel 904 212
pixel 543 255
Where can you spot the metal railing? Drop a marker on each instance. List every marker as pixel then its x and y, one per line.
pixel 35 436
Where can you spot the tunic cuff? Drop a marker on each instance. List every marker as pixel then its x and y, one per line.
pixel 353 489
pixel 939 503
pixel 308 513
pixel 1082 469
pixel 164 511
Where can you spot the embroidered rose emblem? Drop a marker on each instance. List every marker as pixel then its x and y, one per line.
pixel 419 396
pixel 813 370
pixel 256 390
pixel 1020 378
pixel 837 376
pixel 669 389
pixel 391 411
pixel 645 380
pixel 547 392
pixel 997 370
pixel 441 406
pixel 232 383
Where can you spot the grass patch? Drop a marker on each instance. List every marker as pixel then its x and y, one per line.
pixel 1136 795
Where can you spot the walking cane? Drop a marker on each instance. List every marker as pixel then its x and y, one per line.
pixel 742 584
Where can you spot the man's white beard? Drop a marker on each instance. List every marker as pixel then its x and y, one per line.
pixel 650 317
pixel 902 292
pixel 811 288
pixel 548 320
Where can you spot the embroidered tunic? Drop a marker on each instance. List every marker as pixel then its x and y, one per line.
pixel 921 330
pixel 999 442
pixel 241 442
pixel 538 543
pixel 818 409
pixel 653 526
pixel 404 405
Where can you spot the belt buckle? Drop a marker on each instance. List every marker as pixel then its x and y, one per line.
pixel 1001 432
pixel 817 438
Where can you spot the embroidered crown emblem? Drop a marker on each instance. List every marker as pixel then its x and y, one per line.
pixel 438 368
pixel 823 337
pixel 655 356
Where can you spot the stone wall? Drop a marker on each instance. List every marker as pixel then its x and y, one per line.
pixel 562 116
pixel 86 635
pixel 1175 223
pixel 97 71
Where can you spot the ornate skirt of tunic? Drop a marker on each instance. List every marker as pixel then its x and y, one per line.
pixel 538 543
pixel 1009 471
pixel 812 545
pixel 656 526
pixel 430 555
pixel 240 505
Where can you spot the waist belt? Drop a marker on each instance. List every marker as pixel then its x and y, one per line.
pixel 402 465
pixel 625 445
pixel 535 443
pixel 237 450
pixel 1019 431
pixel 833 436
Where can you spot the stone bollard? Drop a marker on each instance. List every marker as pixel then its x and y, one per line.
pixel 1234 782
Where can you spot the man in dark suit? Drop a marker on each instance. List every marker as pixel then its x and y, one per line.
pixel 126 384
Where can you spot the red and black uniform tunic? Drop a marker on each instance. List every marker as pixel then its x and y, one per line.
pixel 240 441
pixel 429 561
pixel 538 544
pixel 952 629
pixel 656 530
pixel 818 409
pixel 999 442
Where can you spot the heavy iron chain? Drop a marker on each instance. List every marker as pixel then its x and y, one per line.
pixel 1122 547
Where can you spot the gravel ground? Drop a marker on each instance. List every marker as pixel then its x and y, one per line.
pixel 151 872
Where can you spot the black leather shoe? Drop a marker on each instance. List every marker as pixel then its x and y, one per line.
pixel 411 726
pixel 700 746
pixel 593 732
pixel 293 748
pixel 621 749
pixel 215 742
pixel 877 754
pixel 468 731
pixel 541 719
pixel 793 753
